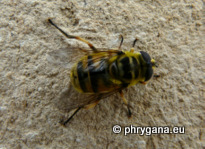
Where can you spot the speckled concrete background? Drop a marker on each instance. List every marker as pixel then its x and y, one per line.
pixel 170 31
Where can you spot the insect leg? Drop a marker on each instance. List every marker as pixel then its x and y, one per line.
pixel 73 37
pixel 76 111
pixel 121 42
pixel 126 103
pixel 92 105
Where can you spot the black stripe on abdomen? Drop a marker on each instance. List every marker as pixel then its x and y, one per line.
pixel 81 76
pixel 93 77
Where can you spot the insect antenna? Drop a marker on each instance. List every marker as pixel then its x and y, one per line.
pixel 73 37
pixel 76 111
pixel 134 42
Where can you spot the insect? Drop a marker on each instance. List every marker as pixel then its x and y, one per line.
pixel 101 73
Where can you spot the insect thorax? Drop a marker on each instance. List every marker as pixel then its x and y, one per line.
pixel 129 68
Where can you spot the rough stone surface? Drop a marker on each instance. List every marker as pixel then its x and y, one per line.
pixel 172 32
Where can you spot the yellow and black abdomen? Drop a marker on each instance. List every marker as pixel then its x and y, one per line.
pixel 91 74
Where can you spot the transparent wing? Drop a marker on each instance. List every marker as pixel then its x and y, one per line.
pixel 64 57
pixel 70 99
pixel 98 61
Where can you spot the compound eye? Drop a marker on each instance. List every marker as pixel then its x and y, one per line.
pixel 148 73
pixel 146 56
pixel 147 59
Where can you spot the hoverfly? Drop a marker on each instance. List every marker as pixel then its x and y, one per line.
pixel 101 73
